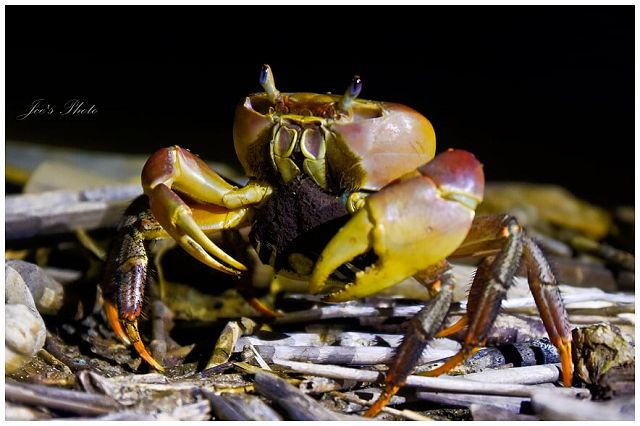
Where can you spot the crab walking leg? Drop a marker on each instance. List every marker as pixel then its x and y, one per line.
pixel 127 270
pixel 172 171
pixel 126 274
pixel 420 331
pixel 492 280
pixel 544 287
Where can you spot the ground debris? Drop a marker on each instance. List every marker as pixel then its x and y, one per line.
pixel 327 361
pixel 601 354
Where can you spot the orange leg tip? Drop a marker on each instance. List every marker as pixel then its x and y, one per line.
pixel 112 317
pixel 450 363
pixel 142 351
pixel 262 308
pixel 454 328
pixel 567 363
pixel 382 401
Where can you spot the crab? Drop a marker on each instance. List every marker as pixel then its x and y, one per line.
pixel 337 184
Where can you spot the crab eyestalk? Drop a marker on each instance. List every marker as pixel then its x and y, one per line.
pixel 268 83
pixel 350 95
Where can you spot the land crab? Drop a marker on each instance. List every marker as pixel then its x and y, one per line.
pixel 318 163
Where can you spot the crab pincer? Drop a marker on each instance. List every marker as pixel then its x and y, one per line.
pixel 410 224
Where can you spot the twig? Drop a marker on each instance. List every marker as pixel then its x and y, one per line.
pixel 261 362
pixel 408 414
pixel 510 403
pixel 63 399
pixel 346 338
pixel 228 338
pixel 434 383
pixel 357 310
pixel 28 215
pixel 583 296
pixel 595 319
pixel 346 310
pixel 343 355
pixel 324 384
pixel 297 404
pixel 223 409
pixel 530 375
pixel 229 406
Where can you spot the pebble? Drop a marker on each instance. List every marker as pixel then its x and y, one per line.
pixel 47 292
pixel 25 332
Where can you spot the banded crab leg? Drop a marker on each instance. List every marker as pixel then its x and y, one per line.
pixel 506 241
pixel 493 278
pixel 421 329
pixel 126 273
pixel 172 171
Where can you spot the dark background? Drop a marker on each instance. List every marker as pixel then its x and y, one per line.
pixel 538 93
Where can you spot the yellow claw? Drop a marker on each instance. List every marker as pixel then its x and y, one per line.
pixel 350 241
pixel 408 225
pixel 176 218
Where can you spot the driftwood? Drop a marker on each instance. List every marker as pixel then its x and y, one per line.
pixel 433 383
pixel 240 407
pixel 58 398
pixel 509 403
pixel 28 215
pixel 359 310
pixel 342 355
pixel 297 404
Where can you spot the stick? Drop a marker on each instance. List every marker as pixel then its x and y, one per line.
pixel 324 384
pixel 434 383
pixel 223 409
pixel 241 407
pixel 510 403
pixel 531 375
pixel 63 399
pixel 359 311
pixel 344 355
pixel 28 215
pixel 297 404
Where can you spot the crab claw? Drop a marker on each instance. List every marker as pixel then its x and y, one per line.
pixel 409 225
pixel 176 218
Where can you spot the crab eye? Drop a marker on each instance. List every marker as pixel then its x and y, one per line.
pixel 264 74
pixel 268 84
pixel 352 92
pixel 355 87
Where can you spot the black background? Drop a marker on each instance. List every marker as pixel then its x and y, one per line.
pixel 538 93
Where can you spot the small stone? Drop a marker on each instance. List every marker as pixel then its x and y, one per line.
pixel 24 336
pixel 47 292
pixel 25 332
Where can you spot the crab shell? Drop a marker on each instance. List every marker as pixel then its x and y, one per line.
pixel 368 148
